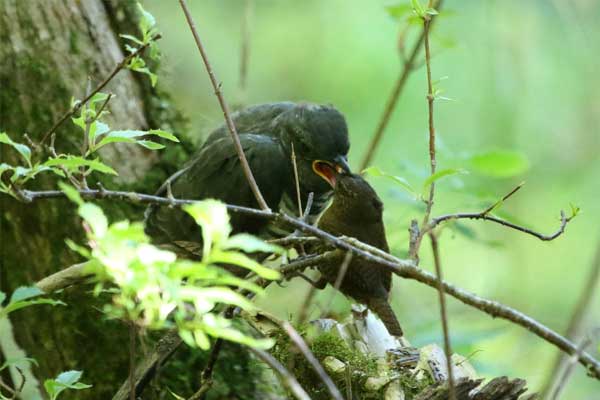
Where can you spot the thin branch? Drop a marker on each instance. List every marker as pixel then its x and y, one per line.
pixel 131 360
pixel 403 268
pixel 579 313
pixel 64 278
pixel 98 88
pixel 286 376
pixel 312 360
pixel 217 87
pixel 563 223
pixel 444 315
pixel 393 99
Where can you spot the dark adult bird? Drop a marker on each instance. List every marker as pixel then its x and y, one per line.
pixel 357 212
pixel 319 138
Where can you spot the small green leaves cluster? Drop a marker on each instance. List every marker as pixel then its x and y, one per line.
pixel 64 380
pixel 413 13
pixel 147 25
pixel 156 290
pixel 95 135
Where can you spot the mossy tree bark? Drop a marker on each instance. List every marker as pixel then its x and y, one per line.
pixel 49 50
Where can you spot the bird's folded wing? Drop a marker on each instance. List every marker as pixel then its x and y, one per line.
pixel 216 173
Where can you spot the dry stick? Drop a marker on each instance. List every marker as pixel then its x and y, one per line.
pixel 443 312
pixel 98 88
pixel 576 320
pixel 286 377
pixel 403 268
pixel 393 99
pixel 312 360
pixel 230 125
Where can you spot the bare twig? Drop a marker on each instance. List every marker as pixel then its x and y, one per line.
pixel 217 87
pixel 63 278
pixel 563 223
pixel 581 309
pixel 297 182
pixel 444 314
pixel 286 376
pixel 76 107
pixel 312 360
pixel 393 99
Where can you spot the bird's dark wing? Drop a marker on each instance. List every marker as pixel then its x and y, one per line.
pixel 254 120
pixel 216 173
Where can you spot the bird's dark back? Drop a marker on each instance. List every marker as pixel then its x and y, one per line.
pixel 357 212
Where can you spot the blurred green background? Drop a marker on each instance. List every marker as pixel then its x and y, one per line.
pixel 522 76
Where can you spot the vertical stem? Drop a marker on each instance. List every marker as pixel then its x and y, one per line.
pixel 447 346
pixel 245 48
pixel 217 87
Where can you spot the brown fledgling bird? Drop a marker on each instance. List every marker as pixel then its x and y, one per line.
pixel 357 212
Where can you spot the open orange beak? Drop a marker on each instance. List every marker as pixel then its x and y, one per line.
pixel 330 170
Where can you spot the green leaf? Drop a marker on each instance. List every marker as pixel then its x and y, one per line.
pixel 73 163
pixel 213 218
pixel 240 259
pixel 164 135
pixel 431 11
pixel 149 144
pixel 418 8
pixel 97 129
pixel 17 305
pixel 147 20
pixel 24 292
pixel 500 163
pixel 95 217
pixel 251 244
pixel 402 182
pixel 23 150
pixel 65 380
pixel 132 38
pixel 17 360
pixel 442 174
pixel 71 193
pixel 2 298
pixel 399 11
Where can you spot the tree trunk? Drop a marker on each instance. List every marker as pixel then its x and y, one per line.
pixel 49 49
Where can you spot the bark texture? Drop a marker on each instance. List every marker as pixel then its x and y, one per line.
pixel 49 49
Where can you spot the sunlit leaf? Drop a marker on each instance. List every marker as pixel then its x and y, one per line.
pixel 65 380
pixel 251 244
pixel 163 134
pixel 71 193
pixel 95 217
pixel 149 144
pixel 442 174
pixel 500 163
pixel 22 149
pixel 73 163
pixel 418 8
pixel 132 38
pixel 213 218
pixel 240 259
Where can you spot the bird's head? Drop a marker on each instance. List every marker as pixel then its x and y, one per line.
pixel 318 136
pixel 356 199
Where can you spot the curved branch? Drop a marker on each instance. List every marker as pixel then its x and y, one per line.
pixel 483 216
